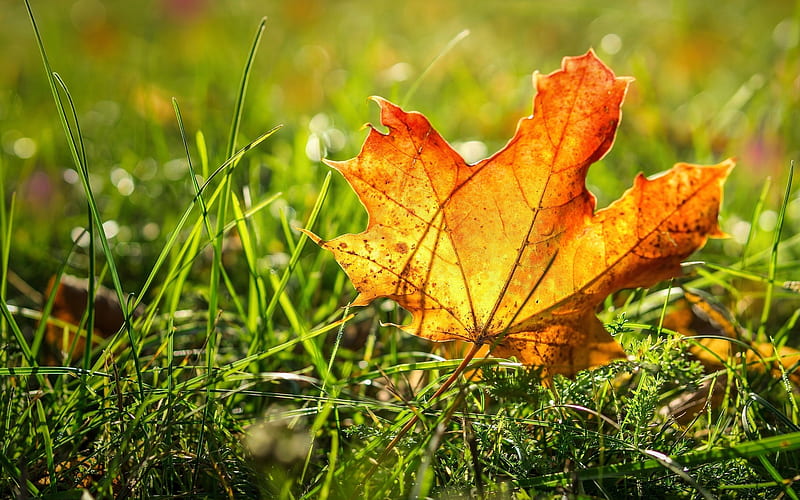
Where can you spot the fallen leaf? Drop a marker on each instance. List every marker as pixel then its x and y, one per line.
pixel 62 343
pixel 719 343
pixel 509 251
pixel 80 471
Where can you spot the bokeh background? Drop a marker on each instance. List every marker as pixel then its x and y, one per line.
pixel 712 81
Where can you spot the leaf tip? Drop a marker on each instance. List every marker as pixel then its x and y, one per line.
pixel 316 239
pixel 380 101
pixel 333 164
pixel 391 114
pixel 729 164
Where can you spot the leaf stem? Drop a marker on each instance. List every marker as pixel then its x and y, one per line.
pixel 414 419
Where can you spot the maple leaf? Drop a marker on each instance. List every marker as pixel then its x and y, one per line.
pixel 509 251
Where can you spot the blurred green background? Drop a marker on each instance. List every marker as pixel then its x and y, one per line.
pixel 712 81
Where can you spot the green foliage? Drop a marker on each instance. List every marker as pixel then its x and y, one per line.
pixel 239 371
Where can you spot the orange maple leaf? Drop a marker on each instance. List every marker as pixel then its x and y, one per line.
pixel 509 251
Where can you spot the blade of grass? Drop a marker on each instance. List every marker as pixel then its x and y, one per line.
pixel 236 301
pixel 280 286
pixel 753 430
pixel 773 261
pixel 216 263
pixel 90 293
pixel 75 143
pixel 6 232
pixel 326 401
pixel 447 48
pixel 413 421
pixel 49 370
pixel 288 235
pixel 754 220
pixel 176 232
pixel 256 289
pixel 18 335
pixel 94 213
pixel 11 471
pixel 238 110
pixel 47 440
pixel 332 459
pixel 192 176
pixel 298 325
pixel 241 365
pixel 192 242
pixel 91 215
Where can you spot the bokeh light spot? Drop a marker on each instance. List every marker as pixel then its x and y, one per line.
pixel 611 43
pixel 786 34
pixel 471 151
pixel 740 231
pixel 768 220
pixel 123 181
pixel 25 147
pixel 80 236
pixel 315 150
pixel 150 231
pixel 175 169
pixel 71 176
pixel 399 72
pixel 110 228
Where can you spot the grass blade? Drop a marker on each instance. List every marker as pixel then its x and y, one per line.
pixel 447 48
pixel 216 265
pixel 76 148
pixel 773 260
pixel 238 110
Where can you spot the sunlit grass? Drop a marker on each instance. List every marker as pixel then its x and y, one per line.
pixel 242 373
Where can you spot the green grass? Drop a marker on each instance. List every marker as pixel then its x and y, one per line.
pixel 242 373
